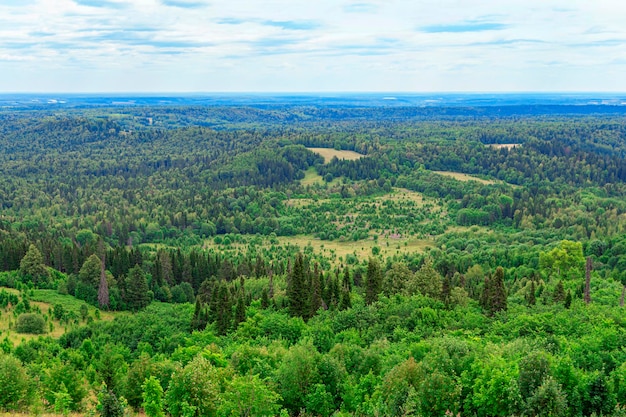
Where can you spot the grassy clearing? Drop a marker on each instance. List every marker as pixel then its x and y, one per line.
pixel 45 301
pixel 337 250
pixel 504 145
pixel 403 195
pixel 311 177
pixel 328 154
pixel 464 177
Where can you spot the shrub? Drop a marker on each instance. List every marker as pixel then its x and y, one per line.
pixel 31 323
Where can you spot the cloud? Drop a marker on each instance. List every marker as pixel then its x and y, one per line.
pixel 466 26
pixel 184 4
pixel 100 4
pixel 281 24
pixel 143 37
pixel 291 24
pixel 360 8
pixel 504 42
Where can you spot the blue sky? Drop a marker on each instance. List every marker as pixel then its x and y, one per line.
pixel 310 46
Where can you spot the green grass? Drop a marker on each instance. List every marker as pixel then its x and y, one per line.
pixel 45 300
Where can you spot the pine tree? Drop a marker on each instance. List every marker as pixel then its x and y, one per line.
pixel 347 282
pixel 136 295
pixel 240 309
pixel 344 301
pixel 265 301
pixel 559 293
pixel 315 301
pixel 199 320
pixel 32 267
pixel 446 289
pixel 588 268
pixel 224 310
pixel 498 292
pixel 485 297
pixel 373 281
pixel 568 299
pixel 531 298
pixel 103 288
pixel 297 291
pixel 270 291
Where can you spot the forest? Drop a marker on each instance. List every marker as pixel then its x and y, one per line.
pixel 213 261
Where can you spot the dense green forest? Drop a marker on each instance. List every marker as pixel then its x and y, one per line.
pixel 209 261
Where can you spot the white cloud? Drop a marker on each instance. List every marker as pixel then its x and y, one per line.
pixel 295 45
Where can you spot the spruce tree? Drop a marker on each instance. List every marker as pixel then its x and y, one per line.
pixel 224 310
pixel 568 299
pixel 485 297
pixel 315 301
pixel 297 291
pixel 198 321
pixel 373 281
pixel 347 282
pixel 103 287
pixel 559 293
pixel 344 301
pixel 498 292
pixel 265 301
pixel 240 309
pixel 33 268
pixel 531 298
pixel 136 295
pixel 587 293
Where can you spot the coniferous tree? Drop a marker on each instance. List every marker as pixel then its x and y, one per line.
pixel 531 297
pixel 347 282
pixel 224 310
pixel 559 293
pixel 587 292
pixel 426 281
pixel 315 301
pixel 270 290
pixel 33 268
pixel 568 299
pixel 497 292
pixel 344 301
pixel 297 291
pixel 373 281
pixel 136 294
pixel 265 301
pixel 240 307
pixel 103 288
pixel 199 319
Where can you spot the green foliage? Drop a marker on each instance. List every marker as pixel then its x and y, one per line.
pixel 33 269
pixel 109 405
pixel 426 281
pixel 297 375
pixel 30 323
pixel 153 398
pixel 195 389
pixel 137 295
pixel 548 400
pixel 373 280
pixel 14 384
pixel 62 401
pixel 248 396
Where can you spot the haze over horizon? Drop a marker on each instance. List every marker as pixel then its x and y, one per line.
pixel 186 46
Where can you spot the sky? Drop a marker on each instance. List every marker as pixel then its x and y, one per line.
pixel 188 46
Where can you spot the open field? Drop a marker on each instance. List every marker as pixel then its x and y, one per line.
pixel 45 301
pixel 504 145
pixel 463 177
pixel 328 154
pixel 311 177
pixel 403 195
pixel 337 250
